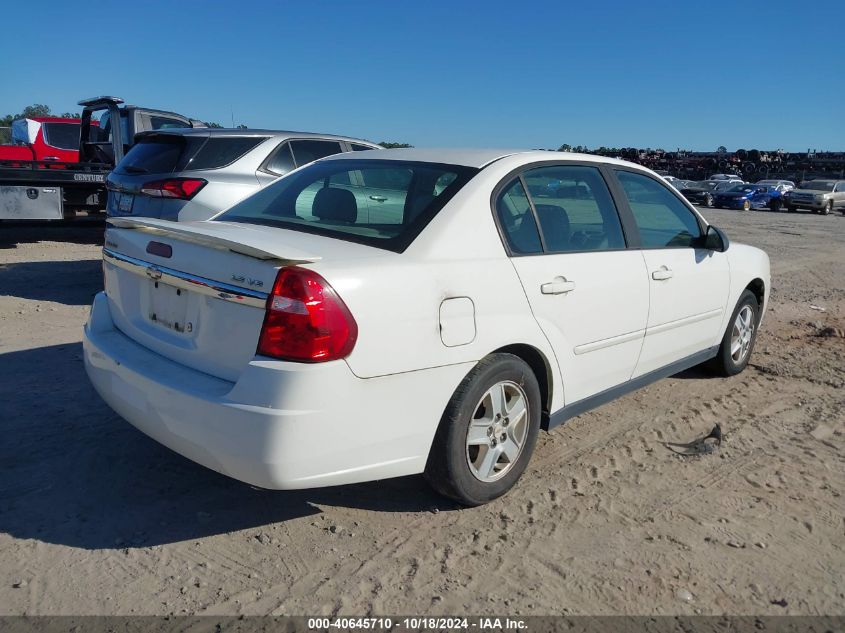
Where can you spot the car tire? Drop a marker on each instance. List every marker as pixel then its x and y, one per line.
pixel 776 205
pixel 708 201
pixel 790 208
pixel 730 360
pixel 468 459
pixel 826 209
pixel 746 206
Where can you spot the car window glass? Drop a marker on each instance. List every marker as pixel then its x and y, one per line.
pixel 517 220
pixel 663 220
pixel 336 198
pixel 575 209
pixel 281 162
pixel 164 122
pixel 360 148
pixel 62 135
pixel 308 150
pixel 223 150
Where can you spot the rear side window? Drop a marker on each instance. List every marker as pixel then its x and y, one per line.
pixel 347 199
pixel 662 219
pixel 165 122
pixel 517 220
pixel 360 148
pixel 223 150
pixel 308 150
pixel 575 209
pixel 281 161
pixel 62 135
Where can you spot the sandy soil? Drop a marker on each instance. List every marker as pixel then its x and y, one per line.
pixel 97 519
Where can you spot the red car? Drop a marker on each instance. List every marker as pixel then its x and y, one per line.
pixel 49 139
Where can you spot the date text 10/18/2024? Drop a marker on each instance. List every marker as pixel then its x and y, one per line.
pixel 417 623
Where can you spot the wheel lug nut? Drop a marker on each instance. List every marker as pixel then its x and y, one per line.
pixel 489 431
pixel 504 437
pixel 493 442
pixel 506 421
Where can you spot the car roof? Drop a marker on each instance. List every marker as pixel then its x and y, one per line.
pixel 477 158
pixel 213 131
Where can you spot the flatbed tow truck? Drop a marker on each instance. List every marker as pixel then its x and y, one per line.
pixel 56 190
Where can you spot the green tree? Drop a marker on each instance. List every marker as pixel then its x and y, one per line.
pixel 566 147
pixel 213 124
pixel 722 149
pixel 71 115
pixel 390 145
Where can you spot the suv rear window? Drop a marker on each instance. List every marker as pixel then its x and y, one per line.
pixel 347 199
pixel 168 153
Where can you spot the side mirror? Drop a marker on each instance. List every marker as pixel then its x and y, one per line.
pixel 716 240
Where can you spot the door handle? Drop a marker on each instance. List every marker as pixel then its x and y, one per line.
pixel 662 273
pixel 378 198
pixel 558 286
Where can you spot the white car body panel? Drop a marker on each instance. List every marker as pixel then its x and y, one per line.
pixel 425 317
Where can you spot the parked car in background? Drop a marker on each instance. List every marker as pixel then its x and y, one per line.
pixel 728 177
pixel 747 196
pixel 307 337
pixel 781 185
pixel 700 192
pixel 194 174
pixel 820 195
pixel 48 139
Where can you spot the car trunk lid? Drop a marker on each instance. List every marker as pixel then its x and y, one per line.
pixel 196 292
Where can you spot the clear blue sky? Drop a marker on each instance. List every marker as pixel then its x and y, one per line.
pixel 751 74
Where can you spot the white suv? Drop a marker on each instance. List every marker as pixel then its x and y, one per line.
pixel 387 313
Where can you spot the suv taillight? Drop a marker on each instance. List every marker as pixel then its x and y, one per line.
pixel 181 188
pixel 306 320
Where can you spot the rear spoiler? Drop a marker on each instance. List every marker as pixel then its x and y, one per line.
pixel 250 241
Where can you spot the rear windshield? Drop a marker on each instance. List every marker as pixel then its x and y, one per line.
pixel 379 203
pixel 168 153
pixel 62 135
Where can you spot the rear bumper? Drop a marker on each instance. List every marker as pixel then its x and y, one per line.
pixel 282 425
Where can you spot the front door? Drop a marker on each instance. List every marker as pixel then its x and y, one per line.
pixel 688 285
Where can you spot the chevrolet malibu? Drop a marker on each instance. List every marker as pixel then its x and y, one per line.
pixel 413 311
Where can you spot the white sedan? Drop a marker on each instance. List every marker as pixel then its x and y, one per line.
pixel 413 311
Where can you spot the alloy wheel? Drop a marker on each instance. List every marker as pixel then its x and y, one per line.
pixel 742 334
pixel 497 431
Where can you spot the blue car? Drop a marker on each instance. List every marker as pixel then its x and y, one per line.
pixel 745 197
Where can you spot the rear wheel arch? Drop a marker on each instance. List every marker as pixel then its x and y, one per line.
pixel 541 368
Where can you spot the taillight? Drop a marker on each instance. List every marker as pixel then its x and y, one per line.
pixel 306 320
pixel 181 188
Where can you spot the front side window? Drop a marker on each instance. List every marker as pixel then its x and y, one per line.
pixel 346 199
pixel 575 209
pixel 662 219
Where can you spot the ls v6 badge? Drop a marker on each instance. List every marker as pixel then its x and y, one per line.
pixel 251 282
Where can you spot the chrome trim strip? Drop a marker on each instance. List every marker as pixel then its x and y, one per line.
pixel 194 283
pixel 608 342
pixel 671 325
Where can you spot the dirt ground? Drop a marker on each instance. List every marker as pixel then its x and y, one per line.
pixel 97 519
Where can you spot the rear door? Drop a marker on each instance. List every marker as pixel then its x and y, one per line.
pixel 688 285
pixel 587 290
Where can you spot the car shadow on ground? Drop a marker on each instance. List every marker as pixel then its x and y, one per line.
pixel 71 282
pixel 81 231
pixel 76 474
